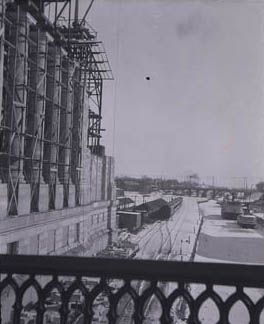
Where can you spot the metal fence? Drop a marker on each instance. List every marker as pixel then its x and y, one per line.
pixel 92 290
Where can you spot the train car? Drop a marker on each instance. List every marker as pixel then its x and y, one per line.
pixel 175 204
pixel 231 209
pixel 158 209
pixel 154 210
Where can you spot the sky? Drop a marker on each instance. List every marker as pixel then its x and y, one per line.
pixel 202 109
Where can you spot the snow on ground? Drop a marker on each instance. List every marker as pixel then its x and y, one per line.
pixel 199 258
pixel 225 240
pixel 219 241
pixel 173 239
pixel 260 215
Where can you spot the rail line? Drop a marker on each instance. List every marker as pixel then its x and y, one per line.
pixel 169 231
pixel 124 316
pixel 162 285
pixel 151 231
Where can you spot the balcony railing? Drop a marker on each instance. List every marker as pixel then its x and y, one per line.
pixel 91 290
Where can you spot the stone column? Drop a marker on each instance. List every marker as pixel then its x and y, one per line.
pixel 77 147
pixel 66 120
pixel 18 66
pixel 3 186
pixel 19 191
pixel 52 118
pixel 35 122
pixel 2 33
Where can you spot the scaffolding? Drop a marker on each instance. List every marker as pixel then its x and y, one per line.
pixel 35 118
pixel 95 68
pixel 51 63
pixel 14 104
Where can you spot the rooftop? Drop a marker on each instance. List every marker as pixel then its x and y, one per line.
pixel 153 205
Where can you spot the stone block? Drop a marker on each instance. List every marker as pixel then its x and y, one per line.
pixel 58 239
pixel 43 203
pixel 3 248
pixel 24 246
pixel 34 244
pixel 72 192
pixel 3 200
pixel 43 237
pixel 99 179
pixel 71 239
pixel 85 193
pixel 24 196
pixel 59 196
pixel 113 192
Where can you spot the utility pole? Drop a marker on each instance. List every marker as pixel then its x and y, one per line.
pixel 213 181
pixel 245 183
pixel 213 185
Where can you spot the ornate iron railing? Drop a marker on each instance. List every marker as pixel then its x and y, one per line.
pixel 45 289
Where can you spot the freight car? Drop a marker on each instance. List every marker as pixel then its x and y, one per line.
pixel 159 209
pixel 175 204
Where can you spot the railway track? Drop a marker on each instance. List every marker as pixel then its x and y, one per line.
pixel 125 316
pixel 178 310
pixel 167 231
pixel 149 234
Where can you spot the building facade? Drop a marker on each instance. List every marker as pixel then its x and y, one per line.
pixel 57 192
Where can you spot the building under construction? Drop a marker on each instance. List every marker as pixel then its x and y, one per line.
pixel 57 186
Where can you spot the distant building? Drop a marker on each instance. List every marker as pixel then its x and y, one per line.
pixel 256 202
pixel 120 192
pixel 124 203
pixel 256 197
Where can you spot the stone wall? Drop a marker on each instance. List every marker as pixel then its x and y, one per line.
pixel 57 233
pixel 74 186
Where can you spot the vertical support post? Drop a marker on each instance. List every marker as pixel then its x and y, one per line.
pixel 36 118
pixel 66 120
pixel 3 186
pixel 2 38
pixel 18 190
pixel 95 88
pixel 19 61
pixel 78 105
pixel 52 117
pixel 37 104
pixel 100 109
